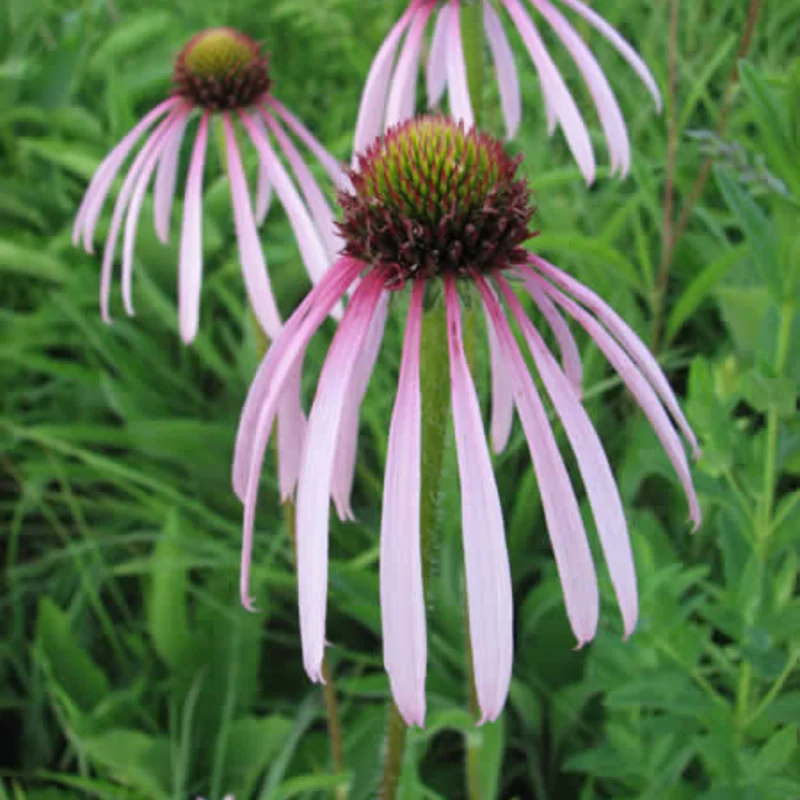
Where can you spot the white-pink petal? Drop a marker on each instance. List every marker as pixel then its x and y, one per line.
pixel 291 432
pixel 263 188
pixel 562 514
pixel 401 588
pixel 502 396
pixel 166 179
pixel 507 77
pixel 489 594
pixel 316 471
pixel 190 261
pixel 254 267
pixel 436 69
pixel 457 84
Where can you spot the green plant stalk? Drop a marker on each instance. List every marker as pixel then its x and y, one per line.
pixel 328 687
pixel 435 391
pixel 764 521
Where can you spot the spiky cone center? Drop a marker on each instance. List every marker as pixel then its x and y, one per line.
pixel 430 198
pixel 221 70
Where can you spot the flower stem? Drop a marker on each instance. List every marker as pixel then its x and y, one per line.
pixel 435 390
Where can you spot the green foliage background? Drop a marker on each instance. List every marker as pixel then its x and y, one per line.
pixel 128 668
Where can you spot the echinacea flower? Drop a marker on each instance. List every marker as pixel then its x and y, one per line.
pixel 221 74
pixel 390 91
pixel 441 210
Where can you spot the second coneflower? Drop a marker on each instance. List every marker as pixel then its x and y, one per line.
pixel 220 73
pixel 439 213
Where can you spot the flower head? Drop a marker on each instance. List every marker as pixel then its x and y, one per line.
pixel 426 179
pixel 221 75
pixel 390 90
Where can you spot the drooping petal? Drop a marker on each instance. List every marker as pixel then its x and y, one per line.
pixel 507 77
pixel 570 355
pixel 166 179
pixel 263 188
pixel 305 234
pixel 436 69
pixel 92 203
pixel 621 45
pixel 320 210
pixel 297 332
pixel 564 523
pixel 458 87
pixel 190 261
pixel 401 589
pixel 593 464
pixel 333 167
pixel 604 100
pixel 135 206
pixel 346 447
pixel 139 164
pixel 502 396
pixel 265 394
pixel 489 595
pixel 373 99
pixel 558 99
pixel 640 388
pixel 316 470
pixel 291 433
pixel 254 267
pixel 627 337
pixel 402 93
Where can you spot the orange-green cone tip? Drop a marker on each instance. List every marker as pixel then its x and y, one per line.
pixel 430 198
pixel 221 70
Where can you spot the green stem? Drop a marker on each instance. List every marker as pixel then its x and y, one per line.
pixel 435 390
pixel 763 525
pixel 472 36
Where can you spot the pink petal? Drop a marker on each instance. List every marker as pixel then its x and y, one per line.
pixel 507 77
pixel 502 396
pixel 570 355
pixel 627 338
pixel 330 164
pixel 460 105
pixel 291 432
pixel 489 596
pixel 436 70
pixel 305 234
pixel 402 597
pixel 300 327
pixel 166 178
pixel 592 462
pixel 564 523
pixel 558 100
pixel 639 388
pixel 254 268
pixel 402 93
pixel 604 100
pixel 320 210
pixel 621 45
pixel 265 394
pixel 92 203
pixel 263 188
pixel 373 99
pixel 316 470
pixel 190 262
pixel 345 464
pixel 139 164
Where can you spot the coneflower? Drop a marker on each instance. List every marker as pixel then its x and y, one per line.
pixel 440 214
pixel 390 91
pixel 220 73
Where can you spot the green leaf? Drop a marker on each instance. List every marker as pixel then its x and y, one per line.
pixel 167 616
pixel 776 754
pixel 30 262
pixel 68 662
pixel 757 230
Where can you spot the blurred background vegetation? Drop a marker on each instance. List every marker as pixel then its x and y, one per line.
pixel 128 668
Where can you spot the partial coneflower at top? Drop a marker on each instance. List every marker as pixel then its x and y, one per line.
pixel 438 216
pixel 224 74
pixel 389 95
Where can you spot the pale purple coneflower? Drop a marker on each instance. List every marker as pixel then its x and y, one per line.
pixel 390 91
pixel 219 73
pixel 442 210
